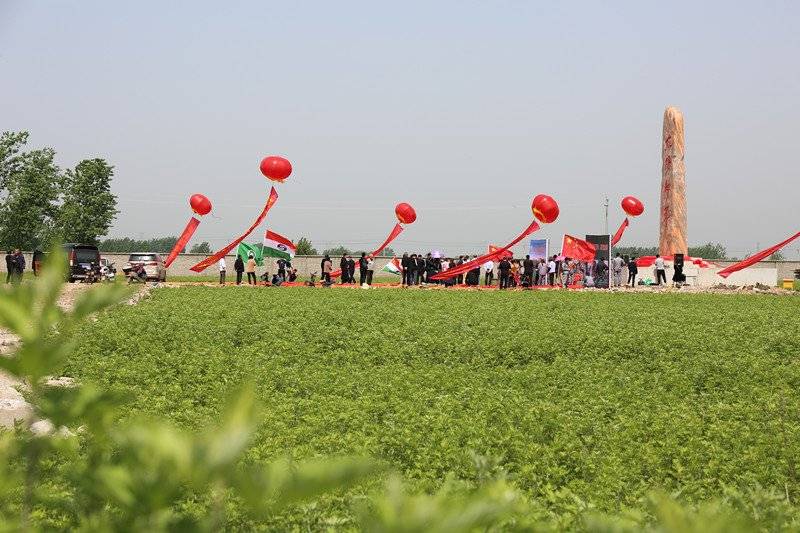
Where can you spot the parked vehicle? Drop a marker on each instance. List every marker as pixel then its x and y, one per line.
pixel 83 261
pixel 153 264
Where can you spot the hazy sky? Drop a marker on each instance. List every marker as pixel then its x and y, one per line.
pixel 466 110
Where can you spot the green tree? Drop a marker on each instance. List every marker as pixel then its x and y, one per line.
pixel 304 247
pixel 777 256
pixel 338 251
pixel 201 248
pixel 10 161
pixel 635 251
pixel 711 250
pixel 388 252
pixel 31 186
pixel 128 245
pixel 89 207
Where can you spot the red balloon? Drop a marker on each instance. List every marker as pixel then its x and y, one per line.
pixel 200 204
pixel 545 208
pixel 405 213
pixel 632 206
pixel 276 168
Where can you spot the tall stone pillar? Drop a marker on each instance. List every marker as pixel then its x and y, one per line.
pixel 672 234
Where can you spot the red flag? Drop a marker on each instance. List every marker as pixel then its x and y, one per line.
pixel 577 249
pixel 727 271
pixel 396 230
pixel 469 265
pixel 620 231
pixel 188 231
pixel 204 264
pixel 494 249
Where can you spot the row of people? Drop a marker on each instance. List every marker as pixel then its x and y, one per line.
pixel 285 271
pixel 511 272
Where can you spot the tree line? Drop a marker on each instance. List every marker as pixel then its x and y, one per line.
pixel 41 204
pixel 711 250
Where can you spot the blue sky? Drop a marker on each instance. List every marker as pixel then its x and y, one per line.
pixel 464 109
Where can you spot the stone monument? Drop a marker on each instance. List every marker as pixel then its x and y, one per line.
pixel 672 233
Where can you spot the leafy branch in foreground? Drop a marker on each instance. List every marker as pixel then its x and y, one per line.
pixel 113 476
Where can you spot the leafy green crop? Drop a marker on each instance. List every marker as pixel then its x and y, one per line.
pixel 585 403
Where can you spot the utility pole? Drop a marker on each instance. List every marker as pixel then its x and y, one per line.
pixel 606 204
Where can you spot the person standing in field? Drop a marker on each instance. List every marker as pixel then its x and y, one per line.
pixel 222 270
pixel 542 271
pixel 404 263
pixel 281 268
pixel 11 266
pixel 370 269
pixel 505 269
pixel 351 269
pixel 238 266
pixel 633 269
pixel 327 267
pixel 20 260
pixel 616 268
pixel 527 270
pixel 661 272
pixel 420 269
pixel 551 271
pixel 345 270
pixel 362 268
pixel 250 268
pixel 488 268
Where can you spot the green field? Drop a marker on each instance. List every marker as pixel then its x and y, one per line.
pixel 584 401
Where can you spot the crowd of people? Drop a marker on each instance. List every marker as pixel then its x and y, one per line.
pixel 511 272
pixel 508 272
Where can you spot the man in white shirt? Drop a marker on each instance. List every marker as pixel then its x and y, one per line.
pixel 488 267
pixel 551 270
pixel 616 268
pixel 222 270
pixel 660 270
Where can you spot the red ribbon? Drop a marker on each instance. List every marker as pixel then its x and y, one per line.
pixel 397 230
pixel 188 231
pixel 620 231
pixel 469 265
pixel 727 271
pixel 204 264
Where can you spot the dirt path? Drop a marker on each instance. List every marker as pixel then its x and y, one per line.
pixel 12 404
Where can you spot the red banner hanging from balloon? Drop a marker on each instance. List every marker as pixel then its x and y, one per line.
pixel 183 240
pixel 477 262
pixel 620 231
pixel 396 230
pixel 204 264
pixel 727 271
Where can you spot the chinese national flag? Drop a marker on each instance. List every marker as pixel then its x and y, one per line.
pixel 577 249
pixel 493 249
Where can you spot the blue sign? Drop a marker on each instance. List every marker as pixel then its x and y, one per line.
pixel 539 248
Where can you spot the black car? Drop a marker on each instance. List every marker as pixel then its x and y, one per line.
pixel 81 260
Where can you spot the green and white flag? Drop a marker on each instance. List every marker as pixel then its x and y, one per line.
pixel 278 246
pixel 393 266
pixel 245 250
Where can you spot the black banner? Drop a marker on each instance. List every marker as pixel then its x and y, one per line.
pixel 601 259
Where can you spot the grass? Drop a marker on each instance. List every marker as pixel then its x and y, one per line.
pixel 586 401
